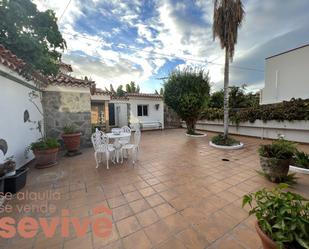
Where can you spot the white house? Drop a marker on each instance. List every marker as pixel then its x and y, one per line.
pixel 286 76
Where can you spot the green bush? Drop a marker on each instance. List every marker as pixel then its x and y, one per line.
pixel 282 216
pixel 69 129
pixel 296 109
pixel 280 149
pixel 45 144
pixel 301 159
pixel 220 140
pixel 187 93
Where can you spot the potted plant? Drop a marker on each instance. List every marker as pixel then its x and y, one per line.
pixel 71 138
pixel 275 158
pixel 300 162
pixel 282 218
pixel 45 151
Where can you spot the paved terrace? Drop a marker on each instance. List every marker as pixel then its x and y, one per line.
pixel 180 195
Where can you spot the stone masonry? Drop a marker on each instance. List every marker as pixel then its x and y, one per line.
pixel 67 108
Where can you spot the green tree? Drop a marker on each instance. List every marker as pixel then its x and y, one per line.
pixel 120 92
pixel 31 34
pixel 187 93
pixel 161 91
pixel 228 16
pixel 111 89
pixel 132 88
pixel 216 99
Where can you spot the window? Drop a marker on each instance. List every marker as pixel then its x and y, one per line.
pixel 142 110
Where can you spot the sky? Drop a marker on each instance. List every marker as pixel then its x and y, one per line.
pixel 118 41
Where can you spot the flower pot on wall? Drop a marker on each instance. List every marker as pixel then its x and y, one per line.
pixel 266 241
pixel 46 158
pixel 72 141
pixel 275 168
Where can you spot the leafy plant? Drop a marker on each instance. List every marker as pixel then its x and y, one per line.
pixel 280 149
pixel 221 140
pixel 289 179
pixel 301 159
pixel 69 129
pixel 187 93
pixel 282 216
pixel 31 34
pixel 45 144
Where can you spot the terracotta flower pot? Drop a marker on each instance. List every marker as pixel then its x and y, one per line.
pixel 266 241
pixel 275 168
pixel 46 158
pixel 72 141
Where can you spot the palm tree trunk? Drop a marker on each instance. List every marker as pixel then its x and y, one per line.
pixel 226 93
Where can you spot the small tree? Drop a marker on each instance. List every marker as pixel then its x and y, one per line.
pixel 187 93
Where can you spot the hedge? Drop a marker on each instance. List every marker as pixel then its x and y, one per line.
pixel 296 109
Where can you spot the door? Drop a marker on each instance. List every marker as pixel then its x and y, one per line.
pixel 111 110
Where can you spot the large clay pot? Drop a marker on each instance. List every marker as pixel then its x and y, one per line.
pixel 72 141
pixel 275 168
pixel 266 241
pixel 46 158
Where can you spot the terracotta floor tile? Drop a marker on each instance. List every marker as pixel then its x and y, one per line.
pixel 122 212
pixel 116 201
pixel 139 205
pixel 172 243
pixel 154 200
pixel 137 240
pixel 175 223
pixel 164 210
pixel 99 242
pixel 133 196
pixel 192 240
pixel 127 226
pixel 147 217
pixel 79 243
pixel 246 237
pixel 157 232
pixel 227 242
pixel 147 191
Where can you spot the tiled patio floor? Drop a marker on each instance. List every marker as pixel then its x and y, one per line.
pixel 180 195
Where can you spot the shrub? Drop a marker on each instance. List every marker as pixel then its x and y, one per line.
pixel 282 216
pixel 69 129
pixel 45 144
pixel 220 140
pixel 301 159
pixel 187 93
pixel 280 149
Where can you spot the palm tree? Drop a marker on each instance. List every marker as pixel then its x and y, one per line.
pixel 228 16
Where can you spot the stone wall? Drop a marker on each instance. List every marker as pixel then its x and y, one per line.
pixel 171 119
pixel 66 108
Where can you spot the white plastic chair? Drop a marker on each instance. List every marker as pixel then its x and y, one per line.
pixel 101 146
pixel 133 147
pixel 125 140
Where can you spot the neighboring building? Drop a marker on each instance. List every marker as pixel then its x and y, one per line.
pixel 108 110
pixel 286 76
pixel 31 103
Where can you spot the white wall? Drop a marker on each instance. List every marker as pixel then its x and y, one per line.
pixel 153 114
pixel 294 131
pixel 287 76
pixel 121 114
pixel 14 100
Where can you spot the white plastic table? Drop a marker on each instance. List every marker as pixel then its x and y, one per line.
pixel 118 145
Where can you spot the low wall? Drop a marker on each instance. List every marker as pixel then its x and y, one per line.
pixel 292 130
pixel 66 108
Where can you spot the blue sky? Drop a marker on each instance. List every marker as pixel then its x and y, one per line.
pixel 115 42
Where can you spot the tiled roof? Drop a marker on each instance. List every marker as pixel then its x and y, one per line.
pixel 114 97
pixel 99 91
pixel 62 79
pixel 65 66
pixel 147 95
pixel 11 61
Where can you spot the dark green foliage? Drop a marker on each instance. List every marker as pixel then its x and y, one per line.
pixel 280 149
pixel 31 34
pixel 289 179
pixel 45 144
pixel 296 109
pixel 132 88
pixel 69 129
pixel 283 216
pixel 216 99
pixel 301 159
pixel 221 140
pixel 120 92
pixel 187 93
